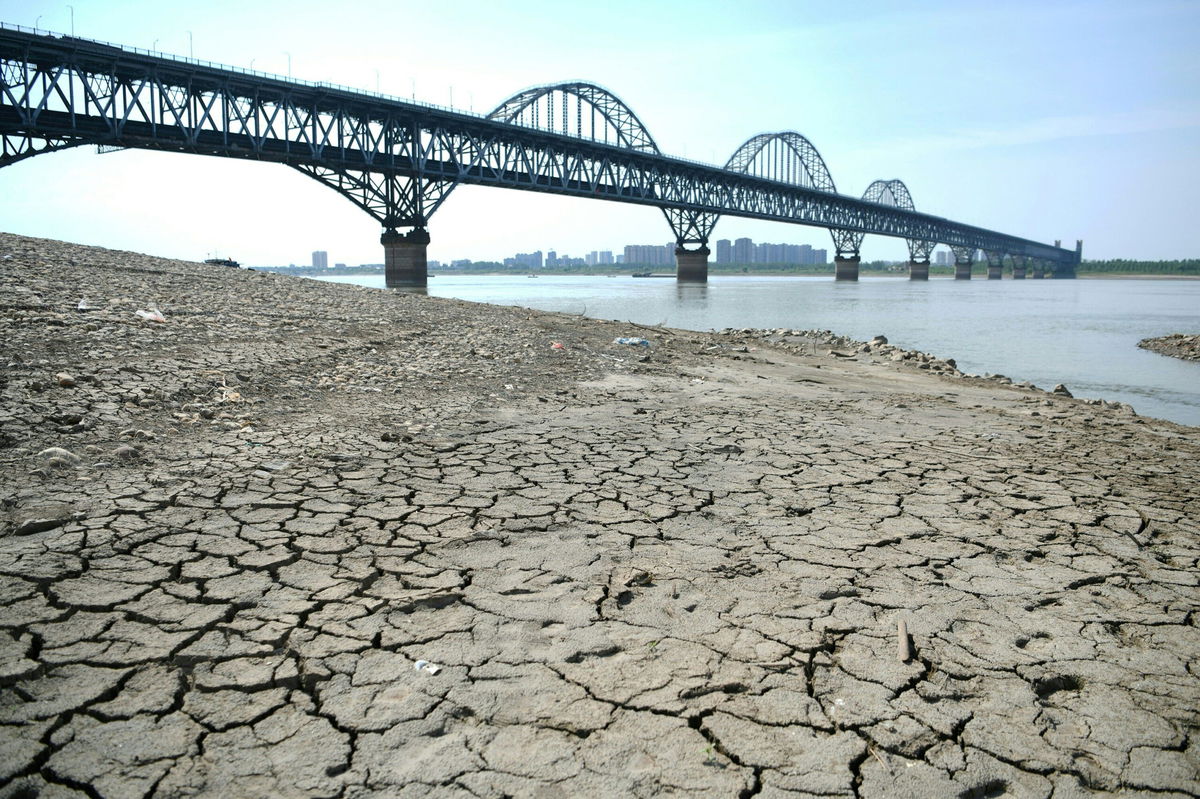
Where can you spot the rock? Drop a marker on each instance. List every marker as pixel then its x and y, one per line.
pixel 65 380
pixel 126 453
pixel 1061 391
pixel 57 456
pixel 879 341
pixel 39 524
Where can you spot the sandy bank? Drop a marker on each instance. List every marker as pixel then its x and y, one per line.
pixel 638 571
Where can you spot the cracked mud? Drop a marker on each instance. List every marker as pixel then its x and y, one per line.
pixel 229 537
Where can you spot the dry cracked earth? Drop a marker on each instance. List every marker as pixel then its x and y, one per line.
pixel 316 541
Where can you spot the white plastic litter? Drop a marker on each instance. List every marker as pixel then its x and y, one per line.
pixel 152 315
pixel 426 666
pixel 633 342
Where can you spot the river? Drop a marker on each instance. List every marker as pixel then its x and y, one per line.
pixel 1082 333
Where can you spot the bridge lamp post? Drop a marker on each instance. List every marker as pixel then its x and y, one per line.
pixel 377 81
pixel 289 55
pixel 154 47
pixel 37 22
pixel 72 10
pixel 191 50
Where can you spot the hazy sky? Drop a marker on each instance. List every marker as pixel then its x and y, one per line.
pixel 1043 119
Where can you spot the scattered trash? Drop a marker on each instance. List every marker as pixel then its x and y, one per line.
pixel 633 342
pixel 426 666
pixel 152 315
pixel 83 305
pixel 903 649
pixel 554 345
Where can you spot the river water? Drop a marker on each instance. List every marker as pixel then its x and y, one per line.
pixel 1082 333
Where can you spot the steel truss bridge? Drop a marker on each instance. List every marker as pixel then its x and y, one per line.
pixel 400 160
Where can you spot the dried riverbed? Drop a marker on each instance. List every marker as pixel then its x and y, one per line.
pixel 231 536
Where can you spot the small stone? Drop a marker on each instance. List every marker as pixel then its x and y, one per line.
pixel 1061 391
pixel 58 455
pixel 39 524
pixel 126 453
pixel 65 380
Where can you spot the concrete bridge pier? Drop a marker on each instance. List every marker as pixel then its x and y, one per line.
pixel 691 266
pixel 845 267
pixel 1019 267
pixel 962 268
pixel 995 261
pixel 404 258
pixel 1039 270
pixel 918 270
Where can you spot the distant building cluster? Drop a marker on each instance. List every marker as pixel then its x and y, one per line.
pixel 650 254
pixel 744 252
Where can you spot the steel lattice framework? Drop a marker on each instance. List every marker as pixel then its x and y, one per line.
pixel 398 160
pixel 894 193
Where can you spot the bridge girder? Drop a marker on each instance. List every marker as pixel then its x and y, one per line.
pixel 60 91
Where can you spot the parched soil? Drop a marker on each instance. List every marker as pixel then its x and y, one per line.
pixel 1177 345
pixel 304 539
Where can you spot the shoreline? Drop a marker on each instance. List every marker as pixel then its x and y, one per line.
pixel 307 537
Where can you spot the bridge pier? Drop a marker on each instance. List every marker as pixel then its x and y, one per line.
pixel 845 267
pixel 1039 269
pixel 1019 267
pixel 962 270
pixel 404 258
pixel 918 270
pixel 995 259
pixel 691 266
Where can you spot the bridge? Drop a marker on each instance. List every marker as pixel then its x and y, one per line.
pixel 399 160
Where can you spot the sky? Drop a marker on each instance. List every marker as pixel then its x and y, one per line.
pixel 1048 120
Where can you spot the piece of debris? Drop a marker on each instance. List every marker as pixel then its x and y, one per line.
pixel 631 341
pixel 152 315
pixel 903 650
pixel 426 666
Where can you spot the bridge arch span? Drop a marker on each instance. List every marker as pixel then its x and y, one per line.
pixel 573 109
pixel 786 156
pixel 893 193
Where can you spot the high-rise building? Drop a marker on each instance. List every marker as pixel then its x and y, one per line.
pixel 320 259
pixel 606 257
pixel 724 251
pixel 743 251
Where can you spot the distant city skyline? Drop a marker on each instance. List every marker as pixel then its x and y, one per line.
pixel 743 251
pixel 1060 119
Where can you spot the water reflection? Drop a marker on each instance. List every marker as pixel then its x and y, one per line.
pixel 691 296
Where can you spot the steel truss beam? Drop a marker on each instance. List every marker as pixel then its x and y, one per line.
pixel 395 159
